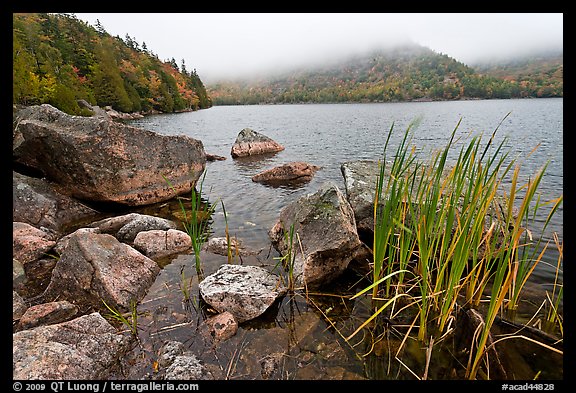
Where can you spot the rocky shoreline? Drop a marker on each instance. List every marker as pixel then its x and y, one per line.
pixel 73 263
pixel 70 265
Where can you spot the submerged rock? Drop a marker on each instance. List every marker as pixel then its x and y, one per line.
pixel 98 159
pixel 180 364
pixel 249 142
pixel 219 327
pixel 325 239
pixel 214 157
pixel 219 245
pixel 245 291
pixel 292 173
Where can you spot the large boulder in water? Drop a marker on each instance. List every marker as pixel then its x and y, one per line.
pixel 325 238
pixel 249 142
pixel 98 159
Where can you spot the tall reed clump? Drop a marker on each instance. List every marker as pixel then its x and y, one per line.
pixel 195 220
pixel 443 232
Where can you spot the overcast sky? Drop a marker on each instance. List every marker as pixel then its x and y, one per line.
pixel 228 45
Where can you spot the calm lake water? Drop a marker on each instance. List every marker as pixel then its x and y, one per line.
pixel 331 134
pixel 297 339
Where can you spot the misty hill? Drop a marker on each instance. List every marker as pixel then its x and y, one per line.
pixel 405 73
pixel 59 59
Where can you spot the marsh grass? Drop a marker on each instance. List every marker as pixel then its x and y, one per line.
pixel 444 233
pixel 195 220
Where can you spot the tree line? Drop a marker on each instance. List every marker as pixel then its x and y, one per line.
pixel 59 59
pixel 408 73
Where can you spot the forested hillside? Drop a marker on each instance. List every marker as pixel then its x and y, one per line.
pixel 405 73
pixel 542 74
pixel 59 59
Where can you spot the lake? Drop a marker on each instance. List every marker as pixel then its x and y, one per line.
pixel 331 134
pixel 326 135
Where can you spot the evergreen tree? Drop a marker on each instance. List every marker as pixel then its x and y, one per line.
pixel 108 84
pixel 100 29
pixel 183 68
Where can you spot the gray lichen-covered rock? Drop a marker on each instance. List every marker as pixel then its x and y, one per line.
pixel 360 179
pixel 126 227
pixel 144 223
pixel 249 143
pixel 187 367
pixel 325 238
pixel 112 225
pixel 245 291
pixel 169 351
pixel 98 159
pixel 180 364
pixel 95 267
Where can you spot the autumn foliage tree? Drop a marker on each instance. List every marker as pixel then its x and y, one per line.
pixel 58 59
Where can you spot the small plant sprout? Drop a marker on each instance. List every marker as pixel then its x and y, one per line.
pixel 130 319
pixel 287 260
